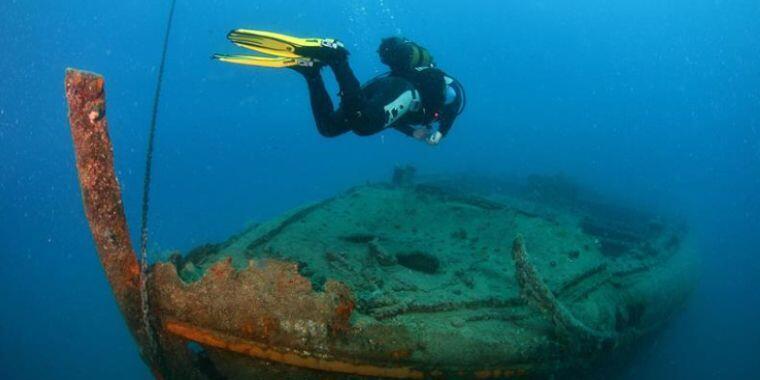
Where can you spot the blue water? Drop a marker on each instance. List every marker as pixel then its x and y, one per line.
pixel 657 102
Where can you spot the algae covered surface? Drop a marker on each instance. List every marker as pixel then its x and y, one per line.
pixel 432 264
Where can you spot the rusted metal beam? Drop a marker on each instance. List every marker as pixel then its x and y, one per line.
pixel 253 349
pixel 227 342
pixel 101 195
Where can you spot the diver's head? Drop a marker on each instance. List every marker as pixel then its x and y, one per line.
pixel 401 54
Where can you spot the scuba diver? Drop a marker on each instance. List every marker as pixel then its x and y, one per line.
pixel 413 97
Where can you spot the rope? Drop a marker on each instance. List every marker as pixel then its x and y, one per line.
pixel 152 344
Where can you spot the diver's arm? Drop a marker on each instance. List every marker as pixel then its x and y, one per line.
pixel 450 111
pixel 415 133
pixel 405 129
pixel 444 126
pixel 453 107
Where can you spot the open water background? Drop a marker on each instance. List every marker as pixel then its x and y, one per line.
pixel 654 102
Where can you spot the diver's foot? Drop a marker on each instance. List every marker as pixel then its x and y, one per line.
pixel 307 67
pixel 329 51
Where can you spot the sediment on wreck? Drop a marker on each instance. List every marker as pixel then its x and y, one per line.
pixel 538 294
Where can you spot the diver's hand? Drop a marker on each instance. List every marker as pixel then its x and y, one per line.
pixel 421 134
pixel 435 138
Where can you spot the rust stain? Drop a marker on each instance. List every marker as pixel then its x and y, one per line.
pixel 268 301
pixel 256 350
pixel 401 354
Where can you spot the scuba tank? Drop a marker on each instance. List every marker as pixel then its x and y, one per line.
pixel 401 54
pixel 412 62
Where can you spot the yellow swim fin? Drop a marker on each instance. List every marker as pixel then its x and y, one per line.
pixel 254 60
pixel 283 50
pixel 274 43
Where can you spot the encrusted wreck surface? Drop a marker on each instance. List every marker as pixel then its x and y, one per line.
pixel 101 197
pixel 421 281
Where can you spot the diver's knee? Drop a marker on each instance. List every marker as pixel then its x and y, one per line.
pixel 327 132
pixel 329 129
pixel 367 129
pixel 364 132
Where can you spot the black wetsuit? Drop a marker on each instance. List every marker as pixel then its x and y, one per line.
pixel 369 109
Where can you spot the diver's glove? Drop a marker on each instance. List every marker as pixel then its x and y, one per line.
pixel 434 138
pixel 421 133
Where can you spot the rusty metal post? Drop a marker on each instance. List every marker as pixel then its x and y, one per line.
pixel 101 196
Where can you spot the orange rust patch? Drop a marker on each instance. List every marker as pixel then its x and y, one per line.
pixel 248 328
pixel 342 315
pixel 401 354
pixel 222 269
pixel 269 326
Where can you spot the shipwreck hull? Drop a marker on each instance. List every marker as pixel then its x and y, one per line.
pixel 396 281
pixel 422 282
